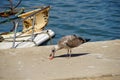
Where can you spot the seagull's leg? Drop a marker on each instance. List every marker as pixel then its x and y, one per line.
pixel 70 52
pixel 67 52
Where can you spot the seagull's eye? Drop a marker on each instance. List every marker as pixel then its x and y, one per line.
pixel 53 50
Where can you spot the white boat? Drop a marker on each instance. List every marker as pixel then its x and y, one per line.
pixel 33 33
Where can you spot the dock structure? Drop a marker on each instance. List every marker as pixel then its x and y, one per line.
pixel 90 61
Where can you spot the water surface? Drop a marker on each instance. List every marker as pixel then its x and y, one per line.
pixel 98 20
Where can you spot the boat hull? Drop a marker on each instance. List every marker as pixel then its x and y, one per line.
pixel 26 41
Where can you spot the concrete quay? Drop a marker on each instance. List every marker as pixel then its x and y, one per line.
pixel 90 61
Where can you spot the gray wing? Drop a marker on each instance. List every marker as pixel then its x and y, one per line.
pixel 70 41
pixel 74 42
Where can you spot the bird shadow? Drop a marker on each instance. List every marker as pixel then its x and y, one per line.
pixel 72 55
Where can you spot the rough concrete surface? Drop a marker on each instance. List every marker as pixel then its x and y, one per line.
pixel 90 61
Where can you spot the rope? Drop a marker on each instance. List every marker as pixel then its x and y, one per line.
pixel 16 16
pixel 49 37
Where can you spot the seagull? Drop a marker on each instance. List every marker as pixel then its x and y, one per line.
pixel 67 42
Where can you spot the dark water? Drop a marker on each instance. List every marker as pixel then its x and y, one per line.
pixel 98 20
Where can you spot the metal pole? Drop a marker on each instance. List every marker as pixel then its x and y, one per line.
pixel 33 26
pixel 15 31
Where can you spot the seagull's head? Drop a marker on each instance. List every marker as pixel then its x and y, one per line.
pixel 53 50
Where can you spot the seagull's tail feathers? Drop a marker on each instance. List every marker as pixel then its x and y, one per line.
pixel 87 40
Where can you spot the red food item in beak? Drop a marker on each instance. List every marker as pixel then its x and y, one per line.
pixel 51 57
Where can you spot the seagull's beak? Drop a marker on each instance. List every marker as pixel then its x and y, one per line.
pixel 51 56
